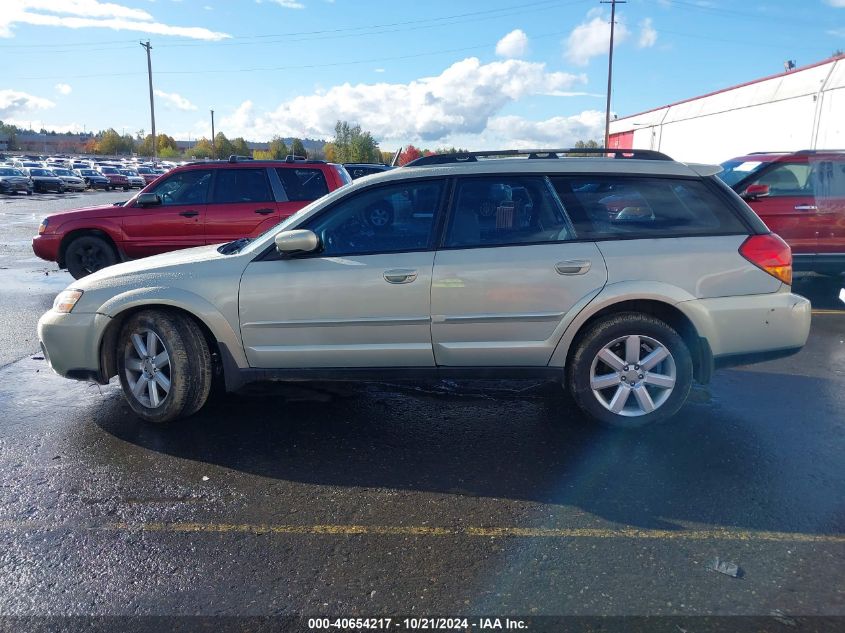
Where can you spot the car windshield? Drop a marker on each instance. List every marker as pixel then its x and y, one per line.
pixel 109 170
pixel 734 171
pixel 4 171
pixel 41 172
pixel 62 172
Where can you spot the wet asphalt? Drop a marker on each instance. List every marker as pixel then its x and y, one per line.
pixel 430 499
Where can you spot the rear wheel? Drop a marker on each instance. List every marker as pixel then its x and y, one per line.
pixel 630 370
pixel 87 254
pixel 164 365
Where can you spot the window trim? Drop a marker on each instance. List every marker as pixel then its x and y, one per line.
pixel 271 254
pixel 213 187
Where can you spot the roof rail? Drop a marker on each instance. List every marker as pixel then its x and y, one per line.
pixel 234 158
pixel 291 158
pixel 471 157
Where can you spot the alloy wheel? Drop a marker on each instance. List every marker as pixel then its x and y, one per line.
pixel 147 366
pixel 633 375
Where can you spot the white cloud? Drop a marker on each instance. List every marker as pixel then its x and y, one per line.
pixel 175 100
pixel 378 70
pixel 839 4
pixel 514 44
pixel 560 131
pixel 461 100
pixel 287 4
pixel 80 14
pixel 592 38
pixel 648 35
pixel 63 89
pixel 14 102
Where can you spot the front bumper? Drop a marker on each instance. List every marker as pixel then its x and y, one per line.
pixel 46 246
pixel 751 327
pixel 70 343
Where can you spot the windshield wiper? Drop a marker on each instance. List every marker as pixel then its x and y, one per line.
pixel 234 247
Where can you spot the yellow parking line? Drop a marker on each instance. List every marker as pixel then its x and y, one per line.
pixel 423 530
pixel 820 311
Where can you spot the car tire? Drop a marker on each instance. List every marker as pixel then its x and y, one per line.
pixel 126 188
pixel 607 381
pixel 87 254
pixel 173 379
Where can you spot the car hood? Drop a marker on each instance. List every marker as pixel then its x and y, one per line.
pixel 155 270
pixel 56 219
pixel 14 178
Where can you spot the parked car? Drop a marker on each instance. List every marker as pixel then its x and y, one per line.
pixel 116 179
pixel 71 180
pixel 13 180
pixel 626 312
pixel 359 170
pixel 801 196
pixel 44 180
pixel 94 179
pixel 147 174
pixel 200 203
pixel 135 179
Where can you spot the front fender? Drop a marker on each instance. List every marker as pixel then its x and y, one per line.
pixel 151 297
pixel 612 294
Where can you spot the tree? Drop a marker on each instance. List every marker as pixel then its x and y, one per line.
pixel 222 146
pixel 240 147
pixel 278 150
pixel 352 145
pixel 169 152
pixel 163 142
pixel 330 151
pixel 408 154
pixel 298 149
pixel 111 143
pixel 202 149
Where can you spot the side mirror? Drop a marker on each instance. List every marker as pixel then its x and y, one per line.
pixel 297 241
pixel 755 191
pixel 148 200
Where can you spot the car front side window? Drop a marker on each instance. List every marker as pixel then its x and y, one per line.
pixel 389 219
pixel 186 187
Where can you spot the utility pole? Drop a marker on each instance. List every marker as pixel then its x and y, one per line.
pixel 213 151
pixel 152 105
pixel 612 4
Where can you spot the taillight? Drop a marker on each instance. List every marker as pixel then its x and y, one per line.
pixel 770 253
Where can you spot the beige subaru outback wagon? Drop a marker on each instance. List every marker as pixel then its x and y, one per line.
pixel 624 276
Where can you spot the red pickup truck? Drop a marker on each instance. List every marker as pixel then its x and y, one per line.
pixel 192 205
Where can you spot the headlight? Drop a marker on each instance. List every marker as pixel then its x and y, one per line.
pixel 43 226
pixel 65 301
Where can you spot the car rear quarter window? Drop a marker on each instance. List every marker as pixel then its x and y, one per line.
pixel 609 206
pixel 303 183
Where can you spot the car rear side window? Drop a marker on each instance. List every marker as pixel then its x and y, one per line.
pixel 303 184
pixel 505 210
pixel 241 185
pixel 609 206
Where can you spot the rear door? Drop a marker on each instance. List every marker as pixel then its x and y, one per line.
pixel 301 185
pixel 176 223
pixel 507 274
pixel 241 204
pixel 827 180
pixel 790 208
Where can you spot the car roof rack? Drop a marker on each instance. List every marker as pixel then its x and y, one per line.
pixel 234 158
pixel 537 154
pixel 291 158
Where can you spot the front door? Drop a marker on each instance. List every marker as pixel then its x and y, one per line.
pixel 506 275
pixel 175 223
pixel 361 300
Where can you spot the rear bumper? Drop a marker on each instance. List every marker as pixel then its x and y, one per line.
pixel 750 328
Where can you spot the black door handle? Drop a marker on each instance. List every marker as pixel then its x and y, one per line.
pixel 189 214
pixel 265 211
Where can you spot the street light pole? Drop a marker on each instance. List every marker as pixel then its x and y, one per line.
pixel 213 151
pixel 612 4
pixel 152 104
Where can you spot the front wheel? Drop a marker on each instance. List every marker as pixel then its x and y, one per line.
pixel 87 254
pixel 164 365
pixel 630 370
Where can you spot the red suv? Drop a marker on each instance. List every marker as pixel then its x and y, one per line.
pixel 199 203
pixel 116 179
pixel 801 197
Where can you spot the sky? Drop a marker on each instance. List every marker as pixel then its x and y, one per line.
pixel 435 73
